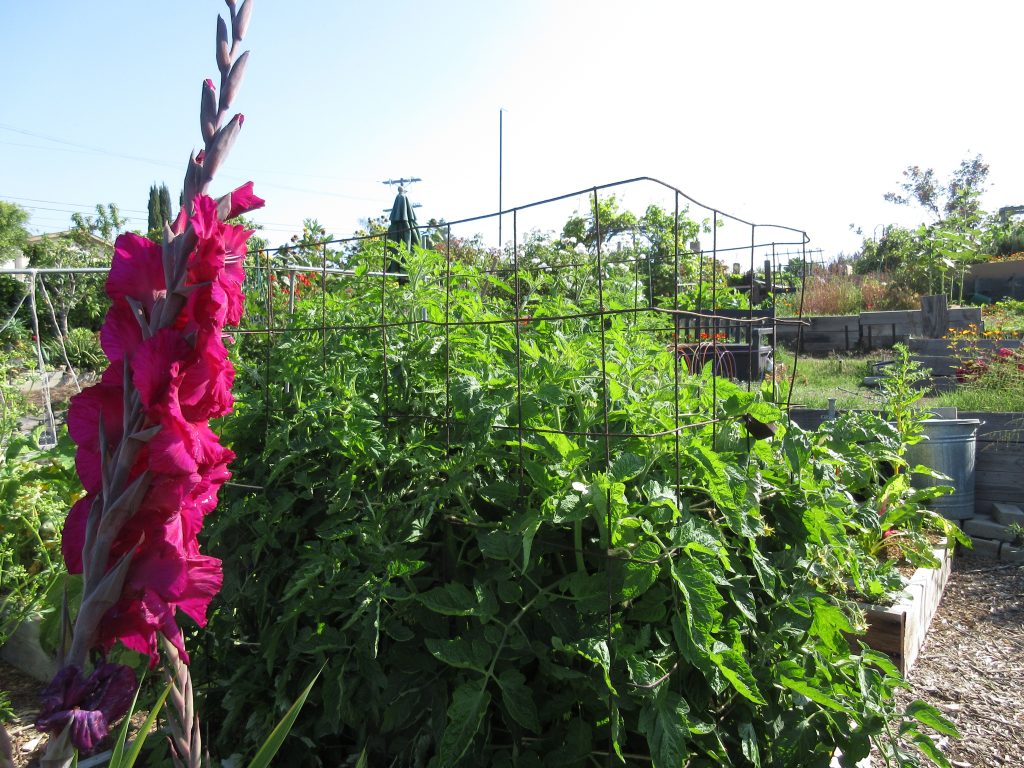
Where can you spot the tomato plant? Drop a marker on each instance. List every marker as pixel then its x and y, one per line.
pixel 538 543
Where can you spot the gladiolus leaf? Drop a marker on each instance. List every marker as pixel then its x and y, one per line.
pixel 281 730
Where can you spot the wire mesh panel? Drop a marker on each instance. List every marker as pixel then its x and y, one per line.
pixel 473 481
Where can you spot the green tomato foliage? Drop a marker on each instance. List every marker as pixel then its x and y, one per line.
pixel 514 531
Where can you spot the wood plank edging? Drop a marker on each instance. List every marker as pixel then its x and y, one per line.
pixel 900 629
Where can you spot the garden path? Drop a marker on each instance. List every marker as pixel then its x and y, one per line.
pixel 972 664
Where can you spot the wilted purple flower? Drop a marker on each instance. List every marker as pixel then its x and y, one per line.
pixel 91 704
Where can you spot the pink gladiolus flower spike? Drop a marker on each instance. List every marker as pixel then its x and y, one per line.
pixel 148 460
pixel 243 200
pixel 183 377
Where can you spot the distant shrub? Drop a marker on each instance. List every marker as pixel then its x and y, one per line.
pixel 834 293
pixel 83 350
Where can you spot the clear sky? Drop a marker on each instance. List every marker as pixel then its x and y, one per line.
pixel 795 113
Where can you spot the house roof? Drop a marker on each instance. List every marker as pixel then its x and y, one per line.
pixel 71 233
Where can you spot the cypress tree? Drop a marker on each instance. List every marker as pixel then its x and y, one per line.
pixel 156 222
pixel 165 204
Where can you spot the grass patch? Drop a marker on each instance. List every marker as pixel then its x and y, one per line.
pixel 841 377
pixel 978 397
pixel 836 376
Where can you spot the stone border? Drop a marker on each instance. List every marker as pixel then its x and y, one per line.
pixel 994 535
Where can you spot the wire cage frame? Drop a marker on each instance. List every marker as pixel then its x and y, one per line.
pixel 702 333
pixel 697 335
pixel 640 314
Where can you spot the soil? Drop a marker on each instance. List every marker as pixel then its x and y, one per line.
pixel 971 668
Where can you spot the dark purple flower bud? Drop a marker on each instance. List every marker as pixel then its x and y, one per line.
pixel 240 21
pixel 193 178
pixel 91 704
pixel 220 146
pixel 233 82
pixel 223 50
pixel 208 111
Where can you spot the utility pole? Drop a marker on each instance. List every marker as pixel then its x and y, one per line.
pixel 501 116
pixel 402 181
pixel 401 187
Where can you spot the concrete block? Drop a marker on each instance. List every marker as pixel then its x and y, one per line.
pixel 986 548
pixel 1006 514
pixel 987 528
pixel 24 651
pixel 1011 554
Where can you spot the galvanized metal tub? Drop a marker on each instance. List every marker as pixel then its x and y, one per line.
pixel 948 448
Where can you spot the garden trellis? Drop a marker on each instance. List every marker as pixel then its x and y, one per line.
pixel 763 244
pixel 421 381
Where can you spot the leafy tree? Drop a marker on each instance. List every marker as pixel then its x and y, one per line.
pixel 159 209
pixel 928 259
pixel 77 299
pixel 13 238
pixel 107 224
pixel 1005 235
pixel 896 247
pixel 154 221
pixel 12 229
pixel 608 222
pixel 958 197
pixel 665 242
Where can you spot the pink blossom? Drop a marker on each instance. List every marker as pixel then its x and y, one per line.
pixel 102 402
pixel 199 377
pixel 136 271
pixel 218 259
pixel 168 574
pixel 243 200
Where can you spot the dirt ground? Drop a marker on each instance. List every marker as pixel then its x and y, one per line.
pixel 971 668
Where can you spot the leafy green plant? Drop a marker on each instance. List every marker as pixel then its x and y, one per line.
pixel 36 489
pixel 1004 319
pixel 83 350
pixel 902 386
pixel 6 707
pixel 1017 530
pixel 902 520
pixel 516 533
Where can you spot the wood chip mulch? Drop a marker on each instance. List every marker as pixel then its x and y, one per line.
pixel 23 693
pixel 971 668
pixel 972 664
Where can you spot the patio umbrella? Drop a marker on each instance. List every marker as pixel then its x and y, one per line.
pixel 403 230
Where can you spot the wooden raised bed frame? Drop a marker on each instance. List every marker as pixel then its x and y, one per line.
pixel 899 630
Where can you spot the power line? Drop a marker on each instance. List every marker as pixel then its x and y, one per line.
pixel 62 202
pixel 283 226
pixel 111 153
